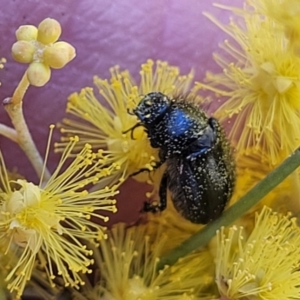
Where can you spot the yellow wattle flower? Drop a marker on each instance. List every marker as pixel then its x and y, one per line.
pixel 286 15
pixel 50 223
pixel 263 265
pixel 259 86
pixel 128 261
pixel 251 167
pixel 104 121
pixel 173 225
pixel 41 286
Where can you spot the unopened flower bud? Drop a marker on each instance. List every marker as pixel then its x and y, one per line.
pixel 26 33
pixel 59 54
pixel 23 51
pixel 49 30
pixel 38 74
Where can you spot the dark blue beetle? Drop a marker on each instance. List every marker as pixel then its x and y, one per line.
pixel 200 171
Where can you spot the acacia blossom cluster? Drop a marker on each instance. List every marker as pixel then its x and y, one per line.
pixel 53 233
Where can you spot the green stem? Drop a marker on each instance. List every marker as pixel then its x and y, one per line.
pixel 21 134
pixel 20 90
pixel 24 138
pixel 202 237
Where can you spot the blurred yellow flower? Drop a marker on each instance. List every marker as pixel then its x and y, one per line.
pixel 252 166
pixel 2 62
pixel 39 286
pixel 260 85
pixel 103 123
pixel 39 48
pixel 264 265
pixel 49 222
pixel 286 14
pixel 128 261
pixel 10 259
pixel 173 225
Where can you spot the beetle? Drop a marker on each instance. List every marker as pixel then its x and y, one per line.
pixel 200 170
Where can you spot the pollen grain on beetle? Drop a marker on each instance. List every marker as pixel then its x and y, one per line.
pixel 105 121
pixel 50 223
pixel 200 171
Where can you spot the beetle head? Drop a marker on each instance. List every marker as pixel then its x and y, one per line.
pixel 152 107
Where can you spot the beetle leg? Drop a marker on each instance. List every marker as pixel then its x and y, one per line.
pixel 139 171
pixel 162 195
pixel 163 192
pixel 132 129
pixel 156 166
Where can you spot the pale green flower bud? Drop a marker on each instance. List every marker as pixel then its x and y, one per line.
pixel 59 54
pixel 26 33
pixel 23 51
pixel 49 31
pixel 38 74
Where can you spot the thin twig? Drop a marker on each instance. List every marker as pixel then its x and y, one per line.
pixel 8 132
pixel 14 108
pixel 25 140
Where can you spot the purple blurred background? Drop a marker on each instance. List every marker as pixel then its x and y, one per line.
pixel 104 33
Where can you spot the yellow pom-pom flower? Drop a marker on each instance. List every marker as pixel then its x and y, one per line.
pixel 50 223
pixel 39 48
pixel 104 121
pixel 172 224
pixel 259 86
pixel 128 261
pixel 264 265
pixel 252 167
pixel 286 14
